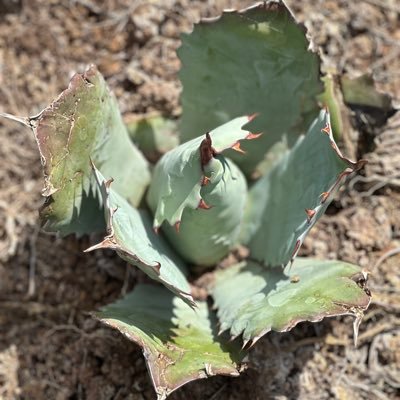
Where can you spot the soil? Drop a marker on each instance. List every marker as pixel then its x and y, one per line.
pixel 50 348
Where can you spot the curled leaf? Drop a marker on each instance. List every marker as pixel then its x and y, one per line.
pixel 130 234
pixel 201 194
pixel 84 123
pixel 179 344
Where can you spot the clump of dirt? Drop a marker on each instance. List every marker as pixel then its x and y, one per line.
pixel 50 348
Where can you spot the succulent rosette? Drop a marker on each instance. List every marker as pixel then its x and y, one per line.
pixel 257 166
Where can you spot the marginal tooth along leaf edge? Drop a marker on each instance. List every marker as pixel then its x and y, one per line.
pixel 110 242
pixel 354 166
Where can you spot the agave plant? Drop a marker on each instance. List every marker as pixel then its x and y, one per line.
pixel 256 167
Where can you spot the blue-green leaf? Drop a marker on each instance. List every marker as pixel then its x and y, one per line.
pixel 84 123
pixel 252 300
pixel 250 61
pixel 179 344
pixel 131 235
pixel 286 202
pixel 200 192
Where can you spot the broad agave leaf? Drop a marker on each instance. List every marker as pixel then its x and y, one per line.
pixel 286 202
pixel 179 344
pixel 253 300
pixel 154 135
pixel 84 123
pixel 130 234
pixel 200 192
pixel 254 60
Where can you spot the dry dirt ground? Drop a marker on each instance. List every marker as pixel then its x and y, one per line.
pixel 49 347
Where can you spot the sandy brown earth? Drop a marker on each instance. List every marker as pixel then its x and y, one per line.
pixel 49 347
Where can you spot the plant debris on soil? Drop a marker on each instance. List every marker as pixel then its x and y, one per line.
pixel 50 347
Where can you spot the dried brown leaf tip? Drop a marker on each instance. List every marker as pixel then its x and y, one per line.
pixel 107 243
pixel 157 268
pixel 203 205
pixel 361 278
pixel 327 129
pixel 296 248
pixel 252 116
pixel 108 183
pixel 252 136
pixel 324 196
pixel 237 148
pixel 205 180
pixel 207 152
pixel 310 214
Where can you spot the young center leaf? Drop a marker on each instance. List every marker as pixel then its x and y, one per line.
pixel 179 344
pixel 255 60
pixel 84 123
pixel 202 194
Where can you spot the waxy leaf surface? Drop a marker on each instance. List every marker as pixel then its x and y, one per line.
pixel 202 194
pixel 252 300
pixel 285 203
pixel 179 344
pixel 131 235
pixel 178 176
pixel 251 61
pixel 84 123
